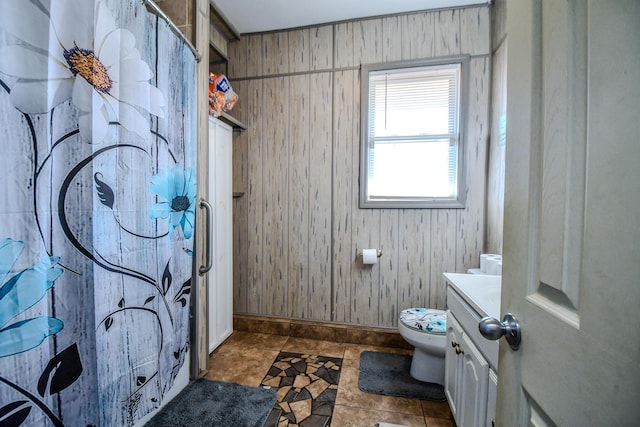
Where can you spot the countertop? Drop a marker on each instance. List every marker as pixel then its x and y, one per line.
pixel 482 292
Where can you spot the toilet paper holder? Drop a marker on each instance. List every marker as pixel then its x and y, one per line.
pixel 378 252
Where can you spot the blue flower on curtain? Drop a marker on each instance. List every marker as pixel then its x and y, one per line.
pixel 20 292
pixel 178 187
pixel 90 61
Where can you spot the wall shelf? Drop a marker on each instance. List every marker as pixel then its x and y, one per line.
pixel 216 56
pixel 220 32
pixel 236 124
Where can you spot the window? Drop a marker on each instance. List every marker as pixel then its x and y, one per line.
pixel 411 153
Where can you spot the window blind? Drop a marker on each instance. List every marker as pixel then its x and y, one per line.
pixel 413 132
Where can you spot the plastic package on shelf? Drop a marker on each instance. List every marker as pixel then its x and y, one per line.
pixel 222 98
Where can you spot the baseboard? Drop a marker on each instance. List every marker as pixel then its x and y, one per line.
pixel 336 332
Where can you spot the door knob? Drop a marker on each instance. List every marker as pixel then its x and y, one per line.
pixel 492 329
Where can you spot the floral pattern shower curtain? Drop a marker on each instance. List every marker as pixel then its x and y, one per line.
pixel 97 199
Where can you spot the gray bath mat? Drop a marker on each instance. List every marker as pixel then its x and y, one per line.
pixel 215 403
pixel 388 374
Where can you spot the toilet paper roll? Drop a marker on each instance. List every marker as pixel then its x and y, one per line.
pixel 369 256
pixel 499 268
pixel 488 263
pixel 492 267
pixel 485 260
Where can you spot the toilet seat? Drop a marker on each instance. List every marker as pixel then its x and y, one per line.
pixel 425 320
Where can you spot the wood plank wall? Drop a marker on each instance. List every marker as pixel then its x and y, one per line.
pixel 298 228
pixel 495 183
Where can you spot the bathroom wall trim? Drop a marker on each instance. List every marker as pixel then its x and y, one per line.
pixel 337 332
pixel 322 70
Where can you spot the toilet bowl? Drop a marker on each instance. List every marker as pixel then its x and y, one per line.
pixel 425 329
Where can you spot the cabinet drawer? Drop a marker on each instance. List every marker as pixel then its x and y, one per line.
pixel 468 319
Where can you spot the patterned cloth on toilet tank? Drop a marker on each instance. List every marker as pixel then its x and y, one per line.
pixel 423 319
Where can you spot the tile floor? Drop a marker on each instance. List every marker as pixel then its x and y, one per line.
pixel 247 358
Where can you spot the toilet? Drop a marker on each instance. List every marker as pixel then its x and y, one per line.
pixel 426 330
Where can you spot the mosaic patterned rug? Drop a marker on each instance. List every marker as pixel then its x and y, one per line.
pixel 307 386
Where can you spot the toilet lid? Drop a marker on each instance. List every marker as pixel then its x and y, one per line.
pixel 426 320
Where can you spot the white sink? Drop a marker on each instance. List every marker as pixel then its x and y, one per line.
pixel 482 292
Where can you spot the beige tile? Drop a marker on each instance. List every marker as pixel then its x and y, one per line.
pixel 190 4
pixel 436 409
pixel 344 416
pixel 246 357
pixel 187 31
pixel 353 351
pixel 320 331
pixel 240 365
pixel 176 10
pixel 350 395
pixel 351 363
pixel 379 337
pixel 265 325
pixel 439 422
pixel 315 347
pixel 256 340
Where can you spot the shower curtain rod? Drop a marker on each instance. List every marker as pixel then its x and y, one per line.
pixel 154 7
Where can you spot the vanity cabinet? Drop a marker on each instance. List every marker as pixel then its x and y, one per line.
pixel 470 360
pixel 466 377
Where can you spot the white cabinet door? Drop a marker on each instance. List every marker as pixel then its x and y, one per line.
pixel 473 385
pixel 453 365
pixel 220 196
pixel 492 394
pixel 466 377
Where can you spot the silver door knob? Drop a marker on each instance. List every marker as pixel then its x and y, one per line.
pixel 492 329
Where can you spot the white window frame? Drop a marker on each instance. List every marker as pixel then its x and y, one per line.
pixel 402 202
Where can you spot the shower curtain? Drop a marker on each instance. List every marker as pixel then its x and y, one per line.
pixel 97 199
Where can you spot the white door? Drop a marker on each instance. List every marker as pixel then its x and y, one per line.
pixel 572 214
pixel 220 287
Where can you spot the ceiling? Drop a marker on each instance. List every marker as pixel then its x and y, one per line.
pixel 249 16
